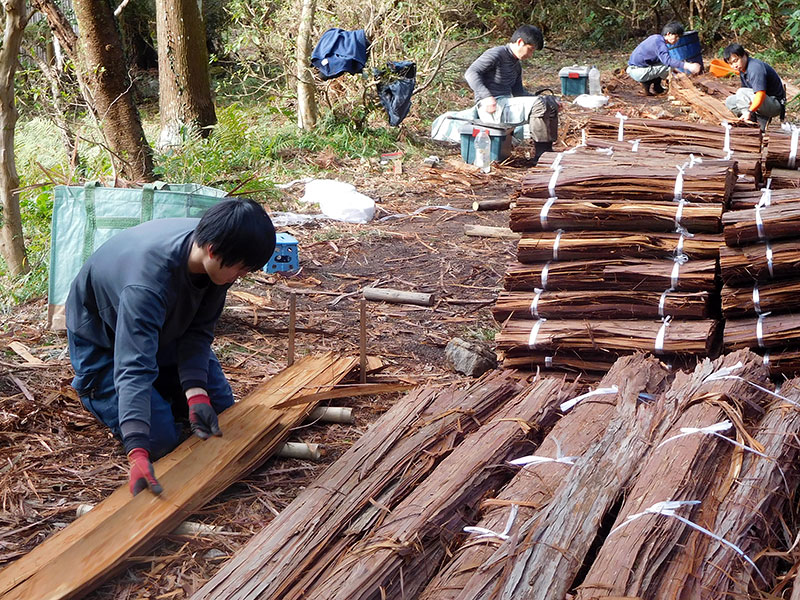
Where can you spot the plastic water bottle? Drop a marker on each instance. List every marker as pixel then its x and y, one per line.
pixel 483 147
pixel 594 82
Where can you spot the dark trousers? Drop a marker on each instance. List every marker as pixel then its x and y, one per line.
pixel 94 382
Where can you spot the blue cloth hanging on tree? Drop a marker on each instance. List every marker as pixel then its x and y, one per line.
pixel 339 51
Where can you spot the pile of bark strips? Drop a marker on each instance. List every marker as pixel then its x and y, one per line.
pixel 653 484
pixel 620 245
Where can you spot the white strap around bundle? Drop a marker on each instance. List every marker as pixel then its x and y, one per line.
pixel 548 362
pixel 535 333
pixel 607 151
pixel 766 195
pixel 546 209
pixel 726 146
pixel 662 332
pixel 760 329
pixel 635 145
pixel 621 132
pixel 535 303
pixel 551 187
pixel 759 223
pixel 768 254
pixel 680 259
pixel 793 146
pixel 557 161
pixel 756 299
pixel 678 192
pixel 557 241
pixel 583 137
pixel 694 160
pixel 679 214
pixel 545 274
pixel 662 301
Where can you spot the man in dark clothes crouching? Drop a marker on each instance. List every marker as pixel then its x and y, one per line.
pixel 140 322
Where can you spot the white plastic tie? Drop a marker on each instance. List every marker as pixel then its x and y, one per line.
pixel 535 333
pixel 793 146
pixel 759 223
pixel 679 260
pixel 583 137
pixel 668 508
pixel 565 406
pixel 756 299
pixel 726 146
pixel 766 358
pixel 606 151
pixel 546 209
pixel 557 161
pixel 551 187
pixel 679 213
pixel 557 241
pixel 727 373
pixel 662 302
pixel 766 196
pixel 533 459
pixel 545 274
pixel 548 362
pixel 678 192
pixel 760 329
pixel 482 532
pixel 535 303
pixel 621 131
pixel 768 254
pixel 635 145
pixel 662 332
pixel 694 160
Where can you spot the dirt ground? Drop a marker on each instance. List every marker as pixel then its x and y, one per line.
pixel 55 456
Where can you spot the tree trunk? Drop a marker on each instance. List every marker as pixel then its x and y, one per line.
pixel 183 80
pixel 12 244
pixel 102 75
pixel 306 100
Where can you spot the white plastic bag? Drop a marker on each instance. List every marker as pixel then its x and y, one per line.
pixel 589 101
pixel 339 200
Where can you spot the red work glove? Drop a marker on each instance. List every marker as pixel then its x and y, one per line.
pixel 141 472
pixel 203 417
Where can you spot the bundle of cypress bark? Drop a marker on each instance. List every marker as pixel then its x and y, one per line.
pixel 782 149
pixel 772 222
pixel 667 133
pixel 784 178
pixel 741 199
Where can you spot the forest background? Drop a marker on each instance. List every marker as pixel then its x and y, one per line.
pixel 239 120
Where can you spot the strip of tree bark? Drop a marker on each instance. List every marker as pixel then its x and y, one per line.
pixel 669 133
pixel 779 297
pixel 607 305
pixel 614 275
pixel 779 149
pixel 742 227
pixel 701 183
pixel 652 555
pixel 398 558
pixel 533 488
pixel 398 451
pixel 707 107
pixel 772 331
pixel 574 361
pixel 679 337
pixel 635 215
pixel 576 245
pixel 749 199
pixel 751 515
pixel 759 262
pixel 782 361
pixel 784 178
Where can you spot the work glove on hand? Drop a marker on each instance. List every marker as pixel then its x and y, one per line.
pixel 203 417
pixel 141 472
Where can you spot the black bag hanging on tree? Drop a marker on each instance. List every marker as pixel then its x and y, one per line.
pixel 395 85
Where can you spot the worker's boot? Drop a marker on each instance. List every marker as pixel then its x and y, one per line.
pixel 657 87
pixel 540 148
pixel 646 87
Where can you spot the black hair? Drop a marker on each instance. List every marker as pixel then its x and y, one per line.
pixel 238 230
pixel 732 49
pixel 673 27
pixel 530 34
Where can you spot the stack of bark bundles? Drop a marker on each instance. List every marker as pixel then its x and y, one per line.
pixel 783 149
pixel 381 518
pixel 656 456
pixel 607 268
pixel 759 264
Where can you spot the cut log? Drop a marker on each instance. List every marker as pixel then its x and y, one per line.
pixel 578 245
pixel 651 555
pixel 497 204
pixel 397 296
pixel 399 556
pixel 76 559
pixel 753 510
pixel 773 331
pixel 778 297
pixel 701 183
pixel 400 449
pixel 636 215
pixel 490 232
pixel 742 227
pixel 616 275
pixel 533 487
pixel 759 262
pixel 606 305
pixel 669 133
pixel 677 337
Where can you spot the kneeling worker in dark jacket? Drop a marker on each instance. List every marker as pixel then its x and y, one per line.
pixel 762 95
pixel 650 62
pixel 140 322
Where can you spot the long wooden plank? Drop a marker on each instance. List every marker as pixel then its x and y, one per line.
pixel 72 562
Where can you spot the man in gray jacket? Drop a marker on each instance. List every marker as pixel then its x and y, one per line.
pixel 140 322
pixel 496 79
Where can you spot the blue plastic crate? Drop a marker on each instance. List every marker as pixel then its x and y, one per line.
pixel 284 258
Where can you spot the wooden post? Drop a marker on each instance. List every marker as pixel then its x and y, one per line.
pixel 363 341
pixel 292 319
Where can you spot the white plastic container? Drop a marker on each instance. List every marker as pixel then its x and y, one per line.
pixel 595 89
pixel 483 151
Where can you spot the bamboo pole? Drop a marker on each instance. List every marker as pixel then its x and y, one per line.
pixel 397 296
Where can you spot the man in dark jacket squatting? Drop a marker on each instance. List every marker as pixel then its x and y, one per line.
pixel 140 322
